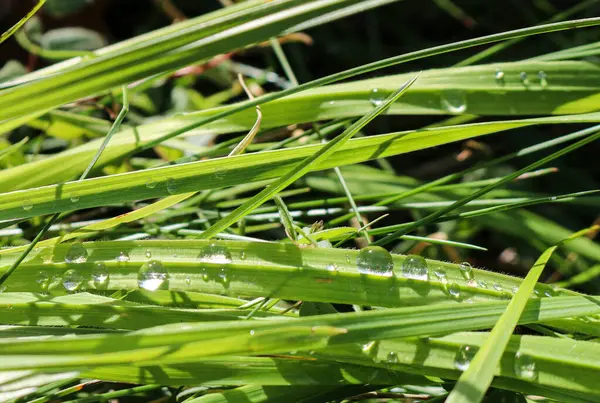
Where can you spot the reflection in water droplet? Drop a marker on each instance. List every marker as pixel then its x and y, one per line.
pixel 100 276
pixel 515 288
pixel 525 366
pixel 331 267
pixel 204 274
pixel 543 79
pixel 224 276
pixel 72 280
pixel 524 78
pixel 440 274
pixel 482 284
pixel 376 97
pixel 26 204
pixel 453 101
pixel 152 275
pixel 123 257
pixel 497 287
pixel 148 254
pixel 376 261
pixel 171 186
pixel 415 267
pixel 215 253
pixel 151 183
pixel 454 290
pixel 76 253
pixel 463 357
pixel 466 270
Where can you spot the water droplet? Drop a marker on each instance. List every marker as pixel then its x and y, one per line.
pixel 252 332
pixel 466 270
pixel 376 261
pixel 348 259
pixel 376 97
pixel 72 280
pixel 332 103
pixel 497 287
pixel 505 295
pixel 2 288
pixel 152 275
pixel 515 288
pixel 440 275
pixel 242 255
pixel 171 186
pixel 331 267
pixel 543 79
pixel 150 183
pixel 524 78
pixel 148 254
pixel 415 267
pixel 371 348
pixel 548 293
pixel 224 276
pixel 463 357
pixel 123 257
pixel 100 276
pixel 454 290
pixel 215 253
pixel 499 76
pixel 188 280
pixel 76 253
pixel 482 284
pixel 204 274
pixel 454 101
pixel 220 175
pixel 525 366
pixel 43 280
pixel 324 244
pixel 26 204
pixel 392 357
pixel 74 197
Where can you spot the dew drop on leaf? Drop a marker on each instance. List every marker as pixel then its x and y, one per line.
pixel 415 267
pixel 376 261
pixel 77 253
pixel 463 357
pixel 72 280
pixel 215 253
pixel 152 275
pixel 100 276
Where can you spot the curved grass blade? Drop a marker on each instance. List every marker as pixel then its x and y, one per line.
pixel 22 21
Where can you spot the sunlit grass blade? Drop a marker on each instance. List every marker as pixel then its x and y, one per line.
pixel 22 21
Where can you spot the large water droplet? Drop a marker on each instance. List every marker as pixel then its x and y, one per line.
pixel 100 276
pixel 525 366
pixel 123 257
pixel 171 186
pixel 415 267
pixel 215 253
pixel 454 101
pixel 76 253
pixel 543 79
pixel 376 97
pixel 463 357
pixel 72 280
pixel 26 204
pixel 152 275
pixel 466 270
pixel 376 261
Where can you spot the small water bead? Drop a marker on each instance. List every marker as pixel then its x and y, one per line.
pixel 525 366
pixel 454 290
pixel 123 257
pixel 376 97
pixel 152 275
pixel 220 175
pixel 415 267
pixel 392 357
pixel 348 259
pixel 466 270
pixel 100 275
pixel 324 244
pixel 150 183
pixel 148 254
pixel 26 204
pixel 188 280
pixel 242 255
pixel 171 186
pixel 215 253
pixel 497 287
pixel 72 280
pixel 2 288
pixel 506 295
pixel 43 280
pixel 482 284
pixel 204 274
pixel 74 198
pixel 453 101
pixel 224 276
pixel 515 288
pixel 524 78
pixel 463 357
pixel 543 79
pixel 499 76
pixel 440 275
pixel 331 267
pixel 77 253
pixel 376 261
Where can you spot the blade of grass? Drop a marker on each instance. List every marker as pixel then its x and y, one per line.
pixel 22 21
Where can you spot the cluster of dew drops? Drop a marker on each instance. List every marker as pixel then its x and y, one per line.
pixel 454 101
pixel 152 274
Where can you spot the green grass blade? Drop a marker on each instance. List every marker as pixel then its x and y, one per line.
pixel 22 21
